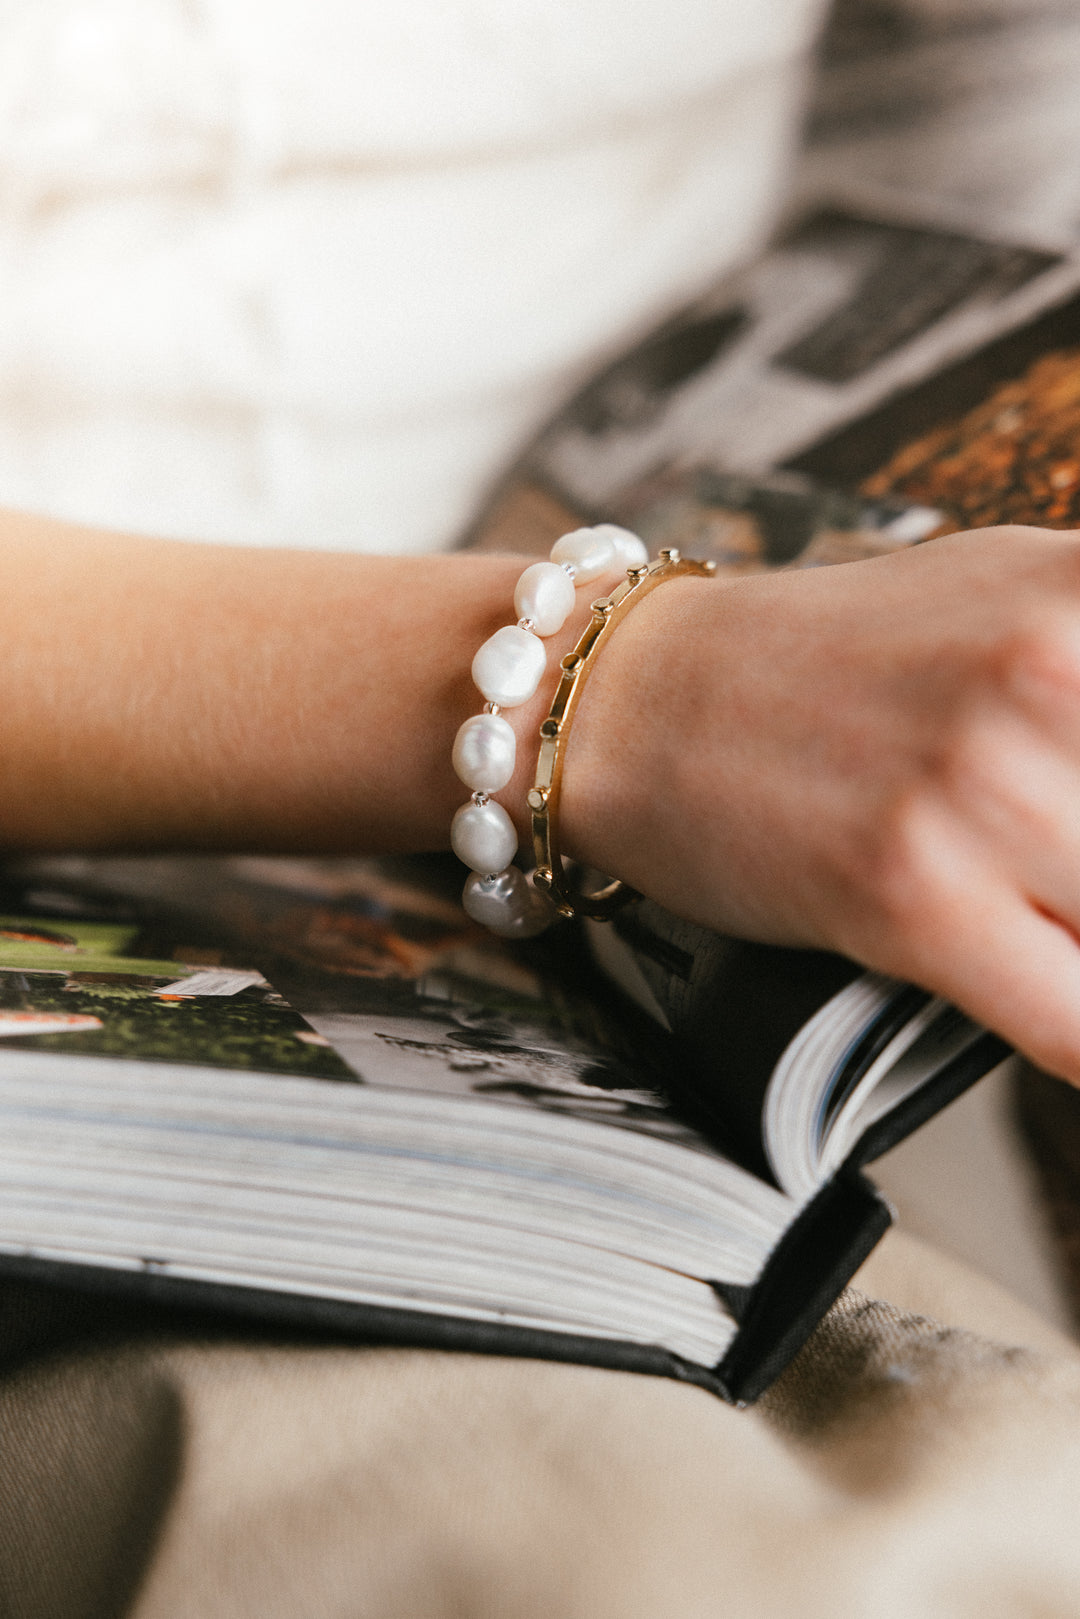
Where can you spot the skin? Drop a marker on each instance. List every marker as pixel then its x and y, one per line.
pixel 168 695
pixel 882 758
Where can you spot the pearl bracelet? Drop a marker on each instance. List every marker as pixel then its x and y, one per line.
pixel 508 669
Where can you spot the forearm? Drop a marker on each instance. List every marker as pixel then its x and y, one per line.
pixel 882 759
pixel 161 694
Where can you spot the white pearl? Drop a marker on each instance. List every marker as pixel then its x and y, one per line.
pixel 545 594
pixel 509 667
pixel 483 836
pixel 485 750
pixel 498 899
pixel 507 904
pixel 630 549
pixel 589 552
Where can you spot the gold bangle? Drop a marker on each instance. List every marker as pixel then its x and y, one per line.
pixel 608 613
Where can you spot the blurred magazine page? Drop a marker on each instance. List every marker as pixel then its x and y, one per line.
pixel 703 434
pixel 393 979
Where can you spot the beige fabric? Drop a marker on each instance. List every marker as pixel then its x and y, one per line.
pixel 900 1468
pixel 920 1280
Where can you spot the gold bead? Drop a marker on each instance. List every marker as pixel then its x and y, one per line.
pixel 542 877
pixel 602 606
pixel 670 553
pixel 537 798
pixel 549 729
pixel 710 566
pixel 636 573
pixel 572 662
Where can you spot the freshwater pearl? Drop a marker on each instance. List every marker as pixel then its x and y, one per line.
pixel 630 550
pixel 589 552
pixel 485 750
pixel 506 904
pixel 545 593
pixel 508 668
pixel 483 836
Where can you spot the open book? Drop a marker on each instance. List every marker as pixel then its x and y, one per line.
pixel 474 1150
pixel 316 1094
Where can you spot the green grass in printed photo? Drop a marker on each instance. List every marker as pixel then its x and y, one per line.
pixel 76 973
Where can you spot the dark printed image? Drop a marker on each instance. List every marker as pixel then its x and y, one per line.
pixel 906 280
pixel 634 391
pixel 1015 458
pixel 457 1049
pixel 777 520
pixel 71 987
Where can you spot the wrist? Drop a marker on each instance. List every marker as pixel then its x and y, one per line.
pixel 514 670
pixel 623 779
pixel 517 669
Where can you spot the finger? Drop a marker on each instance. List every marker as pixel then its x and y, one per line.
pixel 1007 963
pixel 956 923
pixel 1039 666
pixel 1018 796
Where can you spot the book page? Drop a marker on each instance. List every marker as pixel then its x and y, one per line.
pixel 402 988
pixel 77 986
pixel 847 308
pixel 481 1153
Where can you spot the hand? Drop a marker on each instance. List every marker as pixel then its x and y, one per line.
pixel 881 758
